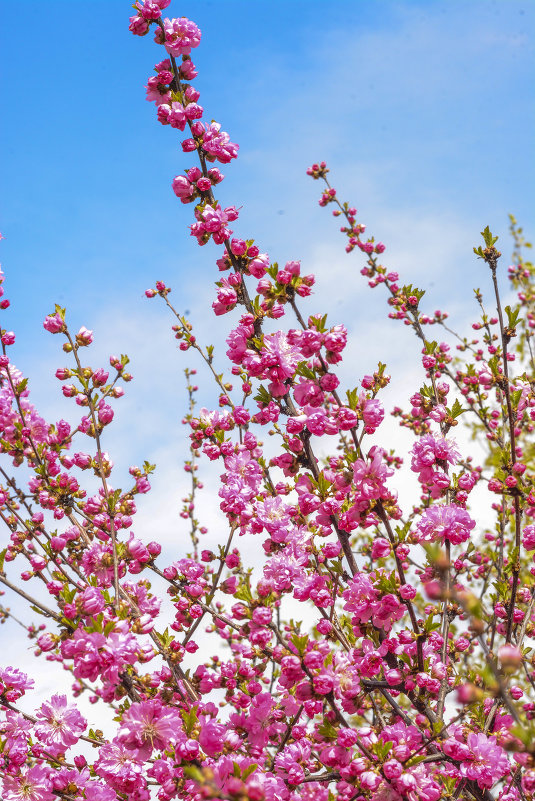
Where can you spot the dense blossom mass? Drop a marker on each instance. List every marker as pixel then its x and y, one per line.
pixel 379 646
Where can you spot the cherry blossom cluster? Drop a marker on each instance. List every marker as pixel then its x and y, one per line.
pixel 338 636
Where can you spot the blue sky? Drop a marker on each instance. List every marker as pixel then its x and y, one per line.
pixel 423 110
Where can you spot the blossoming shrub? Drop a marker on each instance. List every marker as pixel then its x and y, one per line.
pixel 410 675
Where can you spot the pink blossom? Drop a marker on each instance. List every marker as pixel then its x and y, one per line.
pixel 370 476
pixel 380 548
pixel 448 522
pixel 291 759
pixel 285 568
pixel 151 9
pixel 258 266
pixel 372 414
pixel 430 449
pixel 54 323
pixel 92 601
pixel 279 357
pixel 336 339
pixel 488 761
pixel 105 413
pixel 84 337
pixel 212 221
pixel 216 143
pixel 14 683
pixel 16 730
pixel 528 537
pixel 405 739
pixel 118 767
pixel 95 655
pixel 211 738
pixel 183 188
pixel 346 418
pixel 148 725
pixel 138 26
pixel 33 785
pixel 308 392
pixel 179 36
pixel 59 725
pixel 226 298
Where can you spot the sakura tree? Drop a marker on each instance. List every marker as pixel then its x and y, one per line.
pixel 376 648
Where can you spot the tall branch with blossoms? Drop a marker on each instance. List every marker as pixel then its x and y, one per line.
pixel 407 674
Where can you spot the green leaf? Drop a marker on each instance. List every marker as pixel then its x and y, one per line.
pixel 382 749
pixel 300 643
pixel 273 269
pixel 97 623
pixel 262 396
pixel 494 365
pixel 488 238
pixel 456 410
pixel 430 625
pixel 68 594
pixel 352 398
pixel 323 485
pixel 515 397
pixel 319 324
pixel 512 316
pixel 112 500
pixel 327 730
pixel 190 719
pixel 304 370
pixel 427 390
pixel 21 386
pixel 415 760
pixel 402 531
pixel 38 611
pixel 243 593
pixel 193 772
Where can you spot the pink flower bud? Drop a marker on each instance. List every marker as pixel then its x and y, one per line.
pixel 105 413
pixel 406 591
pixel 510 656
pixel 37 562
pixel 100 377
pixel 230 585
pixel 392 769
pixel 393 677
pixel 62 373
pixel 154 548
pixel 54 323
pixel 47 642
pixel 380 548
pixel 84 337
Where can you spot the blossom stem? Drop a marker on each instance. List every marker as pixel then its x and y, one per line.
pixel 492 260
pixel 44 609
pixel 100 461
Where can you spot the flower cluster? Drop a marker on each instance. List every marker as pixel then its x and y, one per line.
pixel 365 644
